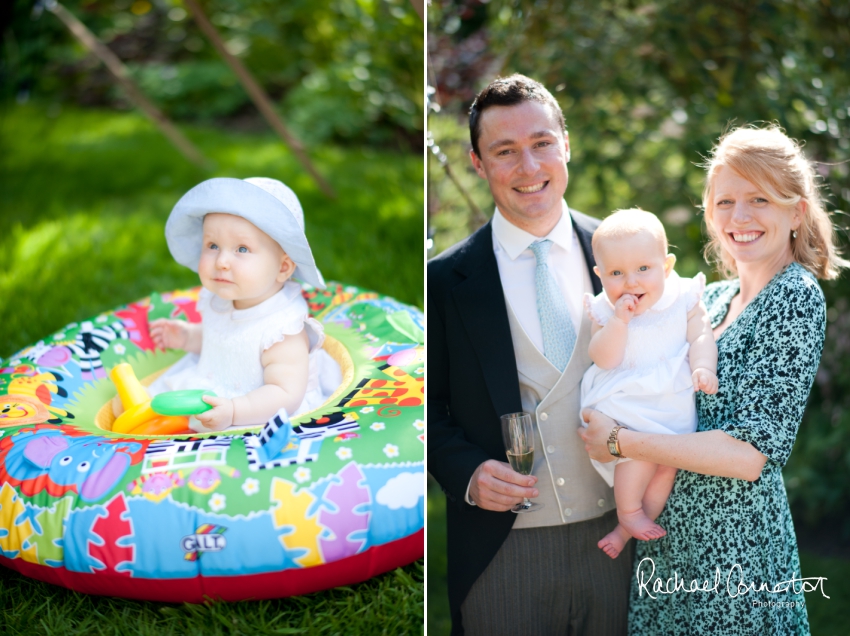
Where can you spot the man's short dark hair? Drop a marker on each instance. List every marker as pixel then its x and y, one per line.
pixel 509 91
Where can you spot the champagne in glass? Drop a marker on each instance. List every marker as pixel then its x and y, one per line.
pixel 518 436
pixel 522 463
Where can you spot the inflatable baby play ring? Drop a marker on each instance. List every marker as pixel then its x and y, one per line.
pixel 227 516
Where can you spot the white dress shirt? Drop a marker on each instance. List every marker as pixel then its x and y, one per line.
pixel 518 266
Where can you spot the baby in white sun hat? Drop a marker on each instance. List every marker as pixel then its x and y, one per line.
pixel 256 347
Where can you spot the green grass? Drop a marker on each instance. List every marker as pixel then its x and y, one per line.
pixel 389 604
pixel 84 198
pixel 83 202
pixel 439 617
pixel 827 616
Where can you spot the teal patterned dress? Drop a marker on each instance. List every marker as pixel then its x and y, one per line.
pixel 734 538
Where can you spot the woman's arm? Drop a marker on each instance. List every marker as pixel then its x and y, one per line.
pixel 707 452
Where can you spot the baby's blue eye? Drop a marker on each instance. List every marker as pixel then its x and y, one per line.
pixel 616 272
pixel 213 246
pixel 643 268
pixel 243 250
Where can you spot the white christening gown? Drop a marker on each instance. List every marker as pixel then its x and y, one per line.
pixel 234 341
pixel 652 390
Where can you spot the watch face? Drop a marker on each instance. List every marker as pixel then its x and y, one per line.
pixel 612 448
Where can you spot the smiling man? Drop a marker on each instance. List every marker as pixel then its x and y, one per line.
pixel 507 333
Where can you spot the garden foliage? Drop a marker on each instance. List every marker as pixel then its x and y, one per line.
pixel 339 70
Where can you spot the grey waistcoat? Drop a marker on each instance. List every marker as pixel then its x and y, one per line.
pixel 570 489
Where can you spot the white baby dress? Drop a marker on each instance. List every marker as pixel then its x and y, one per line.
pixel 652 390
pixel 234 341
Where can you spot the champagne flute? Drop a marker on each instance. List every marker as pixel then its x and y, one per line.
pixel 518 436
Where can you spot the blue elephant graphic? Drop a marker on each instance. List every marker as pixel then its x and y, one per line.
pixel 49 460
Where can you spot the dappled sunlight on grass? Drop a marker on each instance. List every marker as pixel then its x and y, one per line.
pixel 95 130
pixel 252 156
pixel 67 269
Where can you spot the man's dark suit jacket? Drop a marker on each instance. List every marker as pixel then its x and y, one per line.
pixel 472 380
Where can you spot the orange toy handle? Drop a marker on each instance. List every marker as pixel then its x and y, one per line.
pixel 163 425
pixel 130 390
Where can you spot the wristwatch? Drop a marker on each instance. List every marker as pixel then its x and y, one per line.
pixel 614 443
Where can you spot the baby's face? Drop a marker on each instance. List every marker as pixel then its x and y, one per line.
pixel 635 265
pixel 240 262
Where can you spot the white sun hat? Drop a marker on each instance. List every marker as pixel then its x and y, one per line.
pixel 267 203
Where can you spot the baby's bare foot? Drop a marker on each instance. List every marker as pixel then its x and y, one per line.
pixel 614 542
pixel 638 525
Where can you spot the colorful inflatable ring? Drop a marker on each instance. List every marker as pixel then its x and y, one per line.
pixel 218 515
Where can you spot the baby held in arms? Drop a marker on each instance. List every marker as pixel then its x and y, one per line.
pixel 256 347
pixel 652 348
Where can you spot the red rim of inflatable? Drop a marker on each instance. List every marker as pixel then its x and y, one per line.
pixel 269 585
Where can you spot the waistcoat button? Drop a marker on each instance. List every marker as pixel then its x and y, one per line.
pixel 544 417
pixel 560 481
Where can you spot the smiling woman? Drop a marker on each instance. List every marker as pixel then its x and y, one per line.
pixel 763 211
pixel 759 183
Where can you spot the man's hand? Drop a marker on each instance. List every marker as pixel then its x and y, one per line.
pixel 220 416
pixel 169 334
pixel 624 308
pixel 705 381
pixel 496 486
pixel 595 435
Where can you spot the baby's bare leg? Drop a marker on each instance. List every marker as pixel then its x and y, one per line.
pixel 631 481
pixel 658 491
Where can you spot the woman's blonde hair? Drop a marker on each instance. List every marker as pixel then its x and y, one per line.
pixel 774 163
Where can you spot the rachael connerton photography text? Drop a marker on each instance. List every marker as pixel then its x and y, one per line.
pixel 736 585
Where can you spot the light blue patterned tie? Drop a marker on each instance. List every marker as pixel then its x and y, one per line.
pixel 559 334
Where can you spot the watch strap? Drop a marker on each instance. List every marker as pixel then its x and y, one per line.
pixel 614 443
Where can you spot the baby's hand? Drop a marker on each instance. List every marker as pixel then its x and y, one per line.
pixel 705 381
pixel 624 308
pixel 169 334
pixel 220 416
